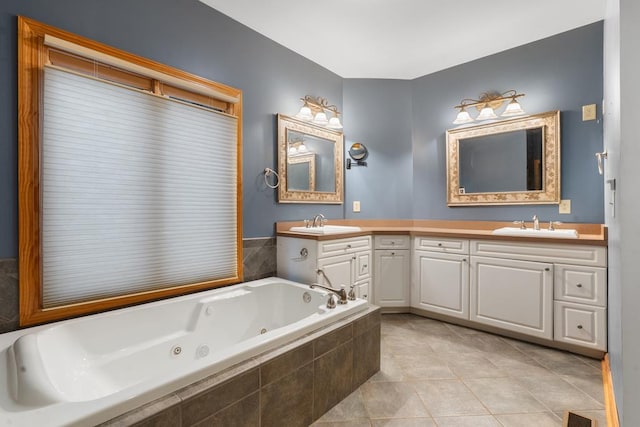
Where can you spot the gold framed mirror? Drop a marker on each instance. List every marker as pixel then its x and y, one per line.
pixel 309 162
pixel 509 162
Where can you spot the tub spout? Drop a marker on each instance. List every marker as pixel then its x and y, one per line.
pixel 339 292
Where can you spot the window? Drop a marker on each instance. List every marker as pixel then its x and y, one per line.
pixel 128 178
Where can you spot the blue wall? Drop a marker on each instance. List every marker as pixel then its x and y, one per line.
pixel 563 73
pixel 401 122
pixel 377 113
pixel 189 35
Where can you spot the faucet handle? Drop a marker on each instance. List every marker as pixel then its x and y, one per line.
pixel 352 293
pixel 552 225
pixel 323 221
pixel 522 224
pixel 332 301
pixel 307 223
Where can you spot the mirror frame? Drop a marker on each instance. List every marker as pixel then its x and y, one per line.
pixel 294 196
pixel 550 193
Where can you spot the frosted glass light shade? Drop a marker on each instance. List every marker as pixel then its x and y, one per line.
pixel 486 114
pixel 321 119
pixel 304 113
pixel 334 123
pixel 302 148
pixel 513 109
pixel 462 118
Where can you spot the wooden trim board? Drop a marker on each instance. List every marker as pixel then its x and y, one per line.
pixel 610 407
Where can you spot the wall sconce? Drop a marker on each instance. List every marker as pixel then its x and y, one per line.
pixel 487 103
pixel 314 110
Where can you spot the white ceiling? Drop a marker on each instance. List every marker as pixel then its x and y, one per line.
pixel 405 39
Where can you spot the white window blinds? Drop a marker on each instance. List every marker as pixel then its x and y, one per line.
pixel 138 192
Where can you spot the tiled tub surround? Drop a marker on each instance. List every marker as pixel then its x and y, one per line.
pixel 87 370
pixel 291 386
pixel 8 295
pixel 258 258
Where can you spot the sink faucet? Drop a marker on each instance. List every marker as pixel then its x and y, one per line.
pixel 536 222
pixel 318 220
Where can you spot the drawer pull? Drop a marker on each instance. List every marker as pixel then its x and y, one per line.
pixel 547 269
pixel 393 253
pixel 439 244
pixel 464 260
pixel 579 326
pixel 348 246
pixel 579 285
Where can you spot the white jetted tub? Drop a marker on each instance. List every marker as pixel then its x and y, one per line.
pixel 88 370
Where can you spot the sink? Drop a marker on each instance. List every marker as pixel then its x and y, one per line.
pixel 327 229
pixel 564 233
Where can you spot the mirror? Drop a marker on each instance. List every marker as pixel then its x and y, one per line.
pixel 514 161
pixel 309 162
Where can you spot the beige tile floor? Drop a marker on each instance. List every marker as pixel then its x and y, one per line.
pixel 438 374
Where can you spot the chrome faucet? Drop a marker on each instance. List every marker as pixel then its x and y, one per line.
pixel 536 222
pixel 318 220
pixel 340 292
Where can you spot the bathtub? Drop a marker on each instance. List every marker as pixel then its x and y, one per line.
pixel 88 370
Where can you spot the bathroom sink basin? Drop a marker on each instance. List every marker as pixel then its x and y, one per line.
pixel 530 232
pixel 327 229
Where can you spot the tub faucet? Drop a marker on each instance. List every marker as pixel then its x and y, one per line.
pixel 536 222
pixel 318 220
pixel 339 292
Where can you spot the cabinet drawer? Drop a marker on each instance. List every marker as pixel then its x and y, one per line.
pixel 595 256
pixel 434 244
pixel 584 285
pixel 581 325
pixel 343 246
pixel 392 242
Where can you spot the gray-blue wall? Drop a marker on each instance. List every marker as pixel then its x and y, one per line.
pixel 401 122
pixel 563 73
pixel 377 113
pixel 191 36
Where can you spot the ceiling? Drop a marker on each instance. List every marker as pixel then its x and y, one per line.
pixel 405 39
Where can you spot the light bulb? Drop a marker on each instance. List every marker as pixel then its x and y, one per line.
pixel 320 119
pixel 304 113
pixel 486 113
pixel 463 117
pixel 334 123
pixel 513 109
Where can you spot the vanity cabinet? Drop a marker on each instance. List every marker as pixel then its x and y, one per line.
pixel 345 262
pixel 548 290
pixel 440 278
pixel 392 270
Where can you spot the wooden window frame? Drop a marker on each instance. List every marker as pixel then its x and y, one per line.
pixel 33 54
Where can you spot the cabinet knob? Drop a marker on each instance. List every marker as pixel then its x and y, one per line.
pixel 353 258
pixel 579 326
pixel 464 260
pixel 393 253
pixel 348 246
pixel 579 285
pixel 547 269
pixel 439 244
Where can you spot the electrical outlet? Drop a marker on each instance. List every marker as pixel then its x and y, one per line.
pixel 564 207
pixel 356 206
pixel 588 112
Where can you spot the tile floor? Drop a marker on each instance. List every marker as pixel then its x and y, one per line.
pixel 436 374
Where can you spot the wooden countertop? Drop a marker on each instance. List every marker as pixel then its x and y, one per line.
pixel 588 234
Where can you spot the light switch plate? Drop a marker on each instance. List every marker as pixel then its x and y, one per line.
pixel 588 112
pixel 564 207
pixel 356 206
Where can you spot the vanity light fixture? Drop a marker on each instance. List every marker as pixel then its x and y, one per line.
pixel 487 104
pixel 315 110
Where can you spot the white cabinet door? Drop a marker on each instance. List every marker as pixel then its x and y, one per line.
pixel 363 289
pixel 392 278
pixel 513 295
pixel 441 283
pixel 339 270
